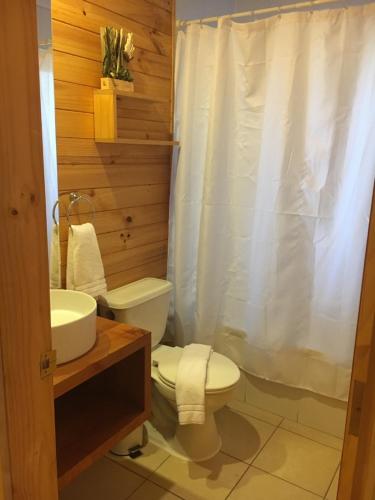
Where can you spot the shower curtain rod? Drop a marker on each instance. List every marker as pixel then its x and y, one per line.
pixel 268 10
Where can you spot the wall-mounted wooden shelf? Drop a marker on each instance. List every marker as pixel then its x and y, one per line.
pixel 119 94
pixel 108 129
pixel 149 142
pixel 101 397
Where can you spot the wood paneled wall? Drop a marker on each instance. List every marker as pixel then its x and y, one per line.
pixel 129 184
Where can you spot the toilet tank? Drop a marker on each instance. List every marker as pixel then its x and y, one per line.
pixel 143 303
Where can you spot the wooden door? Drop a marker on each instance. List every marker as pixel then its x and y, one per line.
pixel 357 477
pixel 27 440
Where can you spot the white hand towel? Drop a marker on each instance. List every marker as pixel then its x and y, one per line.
pixel 191 384
pixel 55 259
pixel 84 270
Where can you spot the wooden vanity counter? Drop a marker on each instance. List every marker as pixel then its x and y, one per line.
pixel 101 397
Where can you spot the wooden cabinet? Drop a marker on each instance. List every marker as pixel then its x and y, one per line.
pixel 113 120
pixel 101 397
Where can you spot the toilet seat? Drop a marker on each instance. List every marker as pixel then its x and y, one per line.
pixel 222 373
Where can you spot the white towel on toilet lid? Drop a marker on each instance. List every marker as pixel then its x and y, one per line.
pixel 191 384
pixel 84 269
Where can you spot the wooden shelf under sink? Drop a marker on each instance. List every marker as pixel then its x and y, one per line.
pixel 101 397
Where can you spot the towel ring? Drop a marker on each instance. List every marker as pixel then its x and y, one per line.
pixel 76 198
pixel 54 211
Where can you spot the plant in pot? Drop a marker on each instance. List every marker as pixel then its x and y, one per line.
pixel 117 51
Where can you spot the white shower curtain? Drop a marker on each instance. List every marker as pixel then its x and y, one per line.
pixel 47 101
pixel 272 191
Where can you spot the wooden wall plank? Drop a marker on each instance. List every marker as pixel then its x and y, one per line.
pixel 80 42
pixel 116 262
pixel 129 184
pixel 77 69
pixel 73 97
pixel 164 4
pixel 117 197
pixel 74 124
pixel 118 220
pixel 71 150
pixel 156 269
pixel 126 238
pixel 140 11
pixel 92 17
pixel 143 110
pixel 75 177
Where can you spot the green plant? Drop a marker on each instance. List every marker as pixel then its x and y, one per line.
pixel 117 51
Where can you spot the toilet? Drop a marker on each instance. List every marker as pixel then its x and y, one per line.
pixel 145 303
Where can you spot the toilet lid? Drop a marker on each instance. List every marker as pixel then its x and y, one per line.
pixel 222 373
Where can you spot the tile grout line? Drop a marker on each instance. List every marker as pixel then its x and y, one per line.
pixel 257 453
pixel 239 479
pixel 333 478
pixel 115 462
pixel 318 430
pixel 262 409
pixel 137 488
pixel 282 417
pixel 156 469
pixel 235 410
pixel 292 432
pixel 255 456
pixel 258 418
pixel 145 479
pixel 167 490
pixel 273 475
pixel 288 482
pixel 267 441
pixel 128 469
pixel 310 439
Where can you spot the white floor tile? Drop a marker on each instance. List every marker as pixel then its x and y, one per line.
pixel 308 432
pixel 332 492
pixel 150 491
pixel 213 479
pixel 152 457
pixel 299 460
pixel 258 485
pixel 242 436
pixel 103 480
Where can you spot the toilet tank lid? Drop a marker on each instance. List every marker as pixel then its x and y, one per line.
pixel 135 293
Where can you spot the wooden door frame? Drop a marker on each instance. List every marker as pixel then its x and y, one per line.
pixel 357 475
pixel 27 436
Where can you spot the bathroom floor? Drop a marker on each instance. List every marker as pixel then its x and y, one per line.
pixel 264 457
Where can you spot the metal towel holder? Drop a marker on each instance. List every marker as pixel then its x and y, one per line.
pixel 76 197
pixel 57 202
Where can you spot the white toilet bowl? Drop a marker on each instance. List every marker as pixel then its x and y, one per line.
pixel 145 304
pixel 195 442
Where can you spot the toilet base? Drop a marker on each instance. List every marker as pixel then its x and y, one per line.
pixel 197 443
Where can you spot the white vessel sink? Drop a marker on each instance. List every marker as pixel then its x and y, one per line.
pixel 73 323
